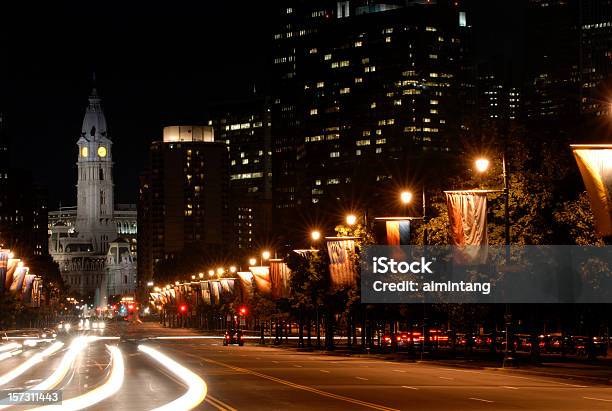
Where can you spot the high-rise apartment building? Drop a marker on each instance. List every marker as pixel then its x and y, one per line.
pixel 183 200
pixel 23 206
pixel 245 128
pixel 596 57
pixel 361 92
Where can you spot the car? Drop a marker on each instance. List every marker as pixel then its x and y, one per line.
pixel 233 337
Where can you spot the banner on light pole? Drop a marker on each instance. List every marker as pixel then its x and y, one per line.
pixel 595 165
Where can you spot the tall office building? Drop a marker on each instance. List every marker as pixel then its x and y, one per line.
pixel 362 91
pixel 552 71
pixel 23 206
pixel 183 200
pixel 596 57
pixel 245 127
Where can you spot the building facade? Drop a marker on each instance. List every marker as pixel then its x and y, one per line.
pixel 363 91
pixel 23 206
pixel 245 127
pixel 183 198
pixel 80 237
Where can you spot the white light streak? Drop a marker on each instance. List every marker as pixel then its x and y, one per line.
pixel 9 346
pixel 196 391
pixel 77 345
pixel 111 386
pixel 30 362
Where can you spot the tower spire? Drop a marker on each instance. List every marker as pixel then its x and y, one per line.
pixel 94 90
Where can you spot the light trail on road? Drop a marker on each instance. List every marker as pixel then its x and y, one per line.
pixel 77 345
pixel 111 386
pixel 9 346
pixel 196 391
pixel 30 362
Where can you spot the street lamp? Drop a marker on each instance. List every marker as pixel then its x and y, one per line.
pixel 220 270
pixel 351 219
pixel 482 165
pixel 193 277
pixel 406 197
pixel 201 275
pixel 315 235
pixel 211 273
pixel 265 255
pixel 252 261
pixel 232 269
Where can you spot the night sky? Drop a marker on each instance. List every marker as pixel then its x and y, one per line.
pixel 155 65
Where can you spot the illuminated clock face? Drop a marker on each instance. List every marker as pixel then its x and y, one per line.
pixel 102 151
pixel 84 152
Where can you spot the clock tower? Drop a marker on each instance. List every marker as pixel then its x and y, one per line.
pixel 95 203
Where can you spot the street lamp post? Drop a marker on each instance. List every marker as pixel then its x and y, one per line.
pixel 482 165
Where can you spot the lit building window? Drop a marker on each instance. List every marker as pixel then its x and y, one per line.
pixel 345 90
pixel 314 111
pixel 334 154
pixel 358 44
pixel 388 39
pixel 358 80
pixel 327 57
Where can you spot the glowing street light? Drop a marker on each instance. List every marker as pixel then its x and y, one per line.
pixel 252 261
pixel 351 219
pixel 315 235
pixel 220 270
pixel 406 197
pixel 193 277
pixel 201 275
pixel 211 273
pixel 232 269
pixel 150 284
pixel 265 255
pixel 482 165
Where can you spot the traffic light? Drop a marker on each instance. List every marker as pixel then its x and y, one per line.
pixel 183 308
pixel 243 310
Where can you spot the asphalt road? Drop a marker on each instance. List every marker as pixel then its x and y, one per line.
pixel 267 378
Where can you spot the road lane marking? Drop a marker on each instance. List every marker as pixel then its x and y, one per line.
pixel 509 387
pixel 299 386
pixel 297 366
pixel 597 399
pixel 218 404
pixel 409 387
pixel 325 371
pixel 446 378
pixel 479 399
pixel 399 370
pixel 275 362
pixel 361 378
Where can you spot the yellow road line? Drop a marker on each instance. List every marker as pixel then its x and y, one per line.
pixel 299 386
pixel 220 405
